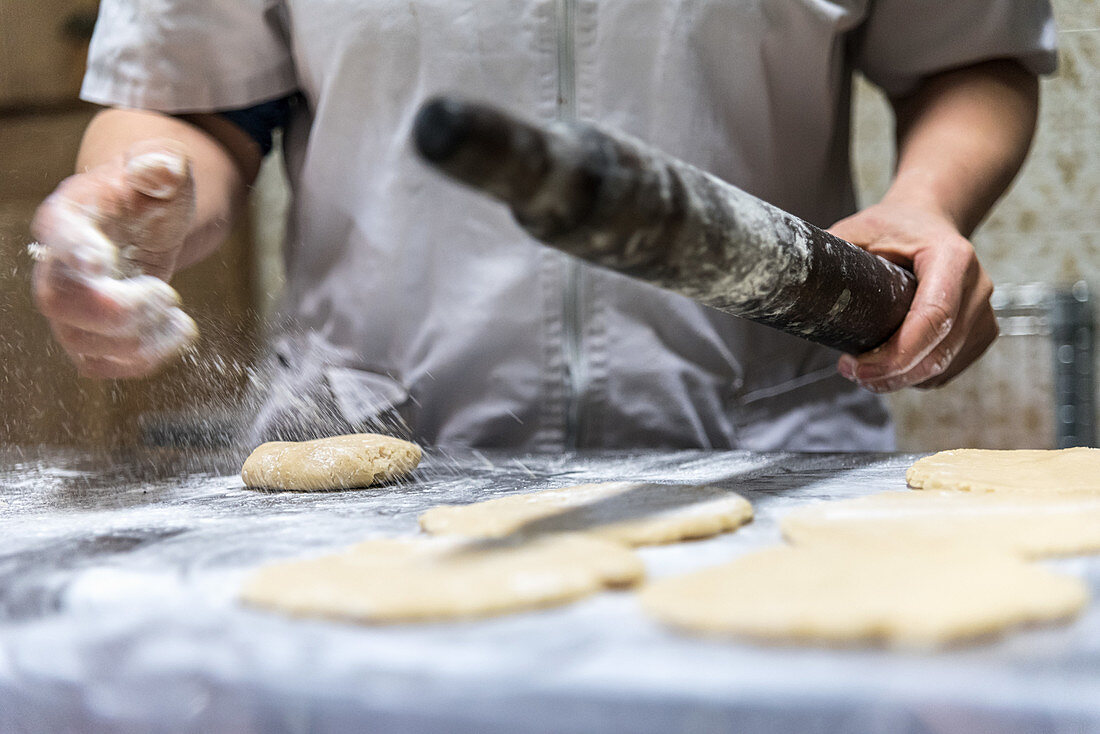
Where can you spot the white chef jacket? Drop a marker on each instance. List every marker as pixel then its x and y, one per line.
pixel 410 296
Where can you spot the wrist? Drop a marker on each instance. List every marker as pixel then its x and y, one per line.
pixel 919 190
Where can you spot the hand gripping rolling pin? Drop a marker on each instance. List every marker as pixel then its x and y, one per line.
pixel 618 203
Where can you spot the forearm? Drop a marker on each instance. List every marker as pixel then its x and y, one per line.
pixel 223 163
pixel 962 137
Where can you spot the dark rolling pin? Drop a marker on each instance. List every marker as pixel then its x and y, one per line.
pixel 616 202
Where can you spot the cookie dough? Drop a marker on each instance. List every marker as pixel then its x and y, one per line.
pixel 420 579
pixel 634 513
pixel 1025 524
pixel 987 470
pixel 838 594
pixel 340 462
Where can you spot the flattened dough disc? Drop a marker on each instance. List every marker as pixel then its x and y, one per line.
pixel 988 470
pixel 634 513
pixel 339 462
pixel 419 579
pixel 1029 525
pixel 837 594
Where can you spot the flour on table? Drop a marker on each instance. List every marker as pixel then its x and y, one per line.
pixel 634 513
pixel 422 579
pixel 340 462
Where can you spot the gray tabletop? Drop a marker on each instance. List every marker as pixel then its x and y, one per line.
pixel 117 613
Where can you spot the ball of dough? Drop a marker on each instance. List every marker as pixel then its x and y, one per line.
pixel 419 579
pixel 634 513
pixel 840 594
pixel 339 462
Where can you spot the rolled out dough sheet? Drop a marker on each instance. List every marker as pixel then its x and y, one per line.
pixel 339 462
pixel 1030 525
pixel 989 470
pixel 634 513
pixel 421 579
pixel 838 594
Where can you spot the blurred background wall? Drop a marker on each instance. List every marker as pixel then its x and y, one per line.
pixel 1042 237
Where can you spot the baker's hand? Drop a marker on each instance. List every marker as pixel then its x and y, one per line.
pixel 108 240
pixel 950 322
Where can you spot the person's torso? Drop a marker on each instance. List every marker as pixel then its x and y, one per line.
pixel 500 342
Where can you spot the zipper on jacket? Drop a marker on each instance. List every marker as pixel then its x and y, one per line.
pixel 576 368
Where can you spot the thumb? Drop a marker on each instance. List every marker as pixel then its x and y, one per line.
pixel 851 229
pixel 158 168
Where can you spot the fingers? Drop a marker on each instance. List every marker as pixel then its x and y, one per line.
pixel 89 344
pixel 874 232
pixel 157 169
pixel 981 336
pixel 99 304
pixel 125 358
pixel 918 351
pixel 129 216
pixel 115 357
pixel 67 229
pixel 157 208
pixel 949 325
pixel 112 328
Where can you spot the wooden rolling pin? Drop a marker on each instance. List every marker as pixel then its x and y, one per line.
pixel 618 203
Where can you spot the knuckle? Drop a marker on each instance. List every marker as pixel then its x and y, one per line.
pixel 985 285
pixel 934 371
pixel 965 252
pixel 961 246
pixel 936 363
pixel 937 317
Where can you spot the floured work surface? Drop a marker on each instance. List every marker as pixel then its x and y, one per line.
pixel 119 578
pixel 338 462
pixel 420 579
pixel 841 594
pixel 1013 470
pixel 634 513
pixel 1030 525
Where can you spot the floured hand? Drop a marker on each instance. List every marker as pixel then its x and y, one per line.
pixel 108 242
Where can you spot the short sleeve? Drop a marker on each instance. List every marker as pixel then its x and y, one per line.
pixel 189 55
pixel 904 40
